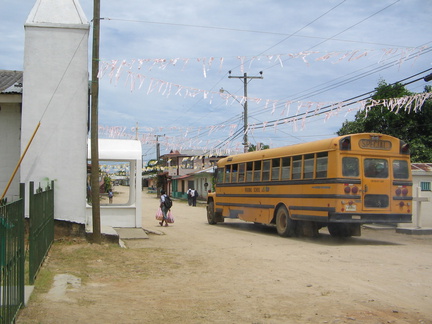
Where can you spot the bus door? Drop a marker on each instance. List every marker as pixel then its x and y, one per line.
pixel 376 184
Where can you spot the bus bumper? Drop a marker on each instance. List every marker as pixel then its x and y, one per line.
pixel 369 218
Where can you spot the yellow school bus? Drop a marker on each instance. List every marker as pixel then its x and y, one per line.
pixel 339 183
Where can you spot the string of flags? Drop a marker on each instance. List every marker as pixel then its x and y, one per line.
pixel 194 137
pixel 115 68
pixel 285 112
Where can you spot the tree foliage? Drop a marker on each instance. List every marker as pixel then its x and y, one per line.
pixel 258 147
pixel 415 128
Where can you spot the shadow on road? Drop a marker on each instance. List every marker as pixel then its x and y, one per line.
pixel 324 237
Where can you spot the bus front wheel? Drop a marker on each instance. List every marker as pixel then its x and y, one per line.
pixel 284 224
pixel 211 216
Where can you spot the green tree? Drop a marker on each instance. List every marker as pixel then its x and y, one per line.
pixel 261 146
pixel 413 127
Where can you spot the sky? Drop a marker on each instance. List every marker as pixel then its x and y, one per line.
pixel 163 65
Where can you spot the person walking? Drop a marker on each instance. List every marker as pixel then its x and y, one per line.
pixel 189 197
pixel 163 208
pixel 194 195
pixel 110 195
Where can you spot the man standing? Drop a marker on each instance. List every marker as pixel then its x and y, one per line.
pixel 189 197
pixel 194 195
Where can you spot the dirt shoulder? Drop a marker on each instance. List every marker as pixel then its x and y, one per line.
pixel 236 272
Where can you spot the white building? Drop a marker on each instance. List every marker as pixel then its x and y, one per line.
pixel 422 193
pixel 10 125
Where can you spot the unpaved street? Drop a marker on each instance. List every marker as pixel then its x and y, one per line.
pixel 239 272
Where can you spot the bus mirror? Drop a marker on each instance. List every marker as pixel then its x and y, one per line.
pixel 404 148
pixel 345 143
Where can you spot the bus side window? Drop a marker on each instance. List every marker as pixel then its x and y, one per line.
pixel 249 171
pixel 350 167
pixel 400 169
pixel 234 172
pixel 308 168
pixel 257 171
pixel 227 174
pixel 220 175
pixel 286 168
pixel 297 166
pixel 275 169
pixel 241 172
pixel 321 165
pixel 266 170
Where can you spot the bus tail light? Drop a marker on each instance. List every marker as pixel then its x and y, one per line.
pixel 401 204
pixel 350 189
pixel 402 191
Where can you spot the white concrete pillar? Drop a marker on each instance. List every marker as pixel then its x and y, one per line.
pixel 56 95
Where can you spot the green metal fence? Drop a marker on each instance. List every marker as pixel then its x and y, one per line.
pixel 12 257
pixel 41 227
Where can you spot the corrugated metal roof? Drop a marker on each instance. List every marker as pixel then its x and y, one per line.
pixel 11 81
pixel 421 167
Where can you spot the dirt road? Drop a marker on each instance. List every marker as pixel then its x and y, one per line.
pixel 239 272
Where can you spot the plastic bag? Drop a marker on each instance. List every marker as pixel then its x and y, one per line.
pixel 159 215
pixel 170 217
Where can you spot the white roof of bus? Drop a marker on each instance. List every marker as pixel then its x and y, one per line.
pixel 117 149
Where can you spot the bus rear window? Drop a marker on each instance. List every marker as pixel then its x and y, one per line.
pixel 400 169
pixel 350 167
pixel 376 168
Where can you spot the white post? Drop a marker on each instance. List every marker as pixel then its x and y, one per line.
pixel 418 199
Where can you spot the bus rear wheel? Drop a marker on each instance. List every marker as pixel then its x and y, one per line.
pixel 211 216
pixel 285 226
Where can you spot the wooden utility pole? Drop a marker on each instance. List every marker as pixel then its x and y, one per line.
pixel 245 78
pixel 95 125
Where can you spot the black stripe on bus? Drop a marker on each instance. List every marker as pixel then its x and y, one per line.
pixel 402 198
pixel 246 205
pixel 402 183
pixel 361 218
pixel 310 196
pixel 290 182
pixel 326 209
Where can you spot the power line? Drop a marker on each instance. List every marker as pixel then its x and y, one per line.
pixel 347 101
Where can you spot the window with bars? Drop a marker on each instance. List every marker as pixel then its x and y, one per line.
pixel 425 186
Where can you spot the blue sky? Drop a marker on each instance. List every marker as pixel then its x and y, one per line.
pixel 267 35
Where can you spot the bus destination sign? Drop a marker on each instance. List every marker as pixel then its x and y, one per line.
pixel 375 144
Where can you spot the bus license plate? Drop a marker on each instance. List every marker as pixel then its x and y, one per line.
pixel 350 208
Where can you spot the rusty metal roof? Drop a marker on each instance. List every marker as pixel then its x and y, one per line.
pixel 421 167
pixel 11 81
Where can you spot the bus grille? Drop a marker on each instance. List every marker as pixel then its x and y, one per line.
pixel 376 201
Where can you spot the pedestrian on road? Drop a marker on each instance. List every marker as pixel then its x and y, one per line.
pixel 194 195
pixel 163 208
pixel 110 195
pixel 189 197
